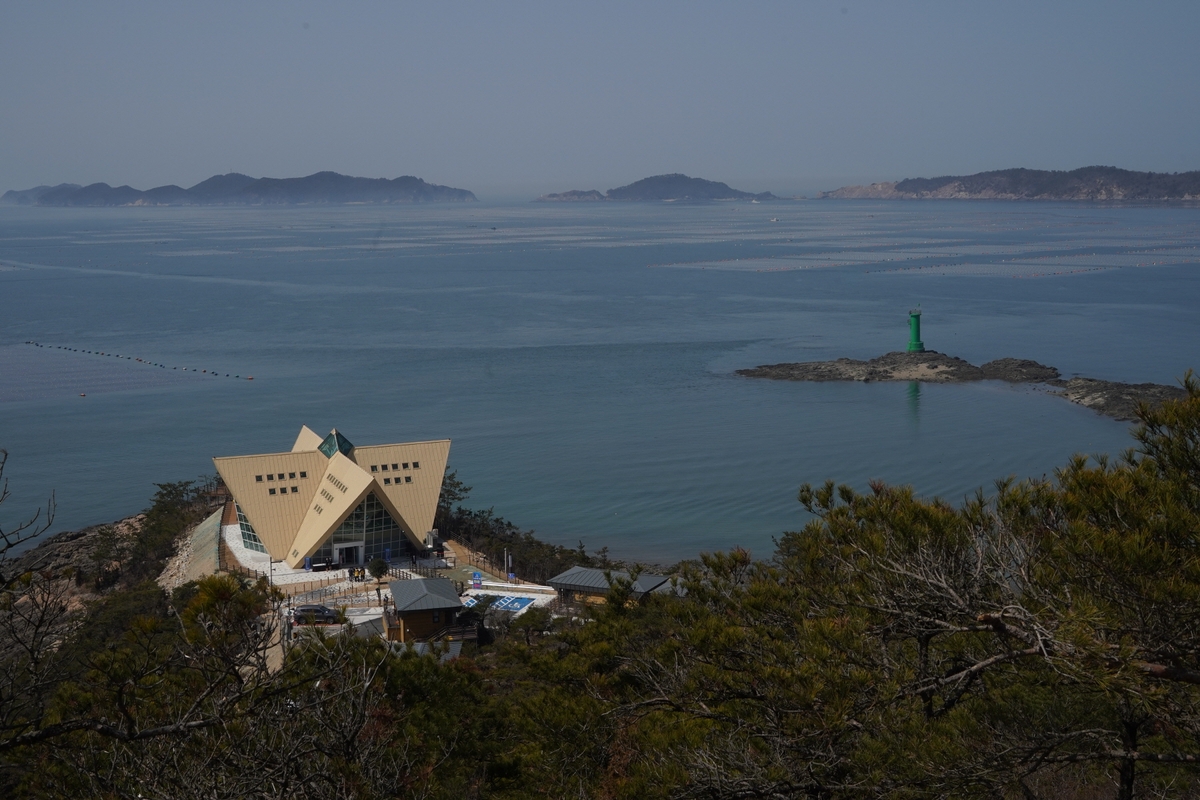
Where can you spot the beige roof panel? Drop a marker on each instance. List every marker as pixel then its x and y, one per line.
pixel 342 487
pixel 275 517
pixel 307 441
pixel 410 480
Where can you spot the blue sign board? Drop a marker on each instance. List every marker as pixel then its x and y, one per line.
pixel 512 603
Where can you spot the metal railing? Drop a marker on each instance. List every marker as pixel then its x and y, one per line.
pixel 317 595
pixel 410 573
pixel 463 632
pixel 294 590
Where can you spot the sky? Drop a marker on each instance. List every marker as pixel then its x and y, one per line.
pixel 516 98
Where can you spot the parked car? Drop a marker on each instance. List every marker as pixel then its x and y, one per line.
pixel 311 615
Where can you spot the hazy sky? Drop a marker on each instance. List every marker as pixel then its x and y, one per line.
pixel 510 98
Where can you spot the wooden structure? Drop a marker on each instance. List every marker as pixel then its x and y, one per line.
pixel 422 609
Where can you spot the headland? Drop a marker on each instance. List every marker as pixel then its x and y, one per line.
pixel 1088 183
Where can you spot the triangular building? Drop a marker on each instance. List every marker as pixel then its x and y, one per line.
pixel 333 502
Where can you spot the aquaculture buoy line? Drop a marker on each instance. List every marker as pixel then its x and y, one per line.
pixel 211 372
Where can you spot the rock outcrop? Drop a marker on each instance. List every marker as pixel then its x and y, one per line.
pixel 90 550
pixel 1110 398
pixel 1117 400
pixel 929 367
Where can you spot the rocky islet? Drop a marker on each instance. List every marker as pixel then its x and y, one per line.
pixel 1110 398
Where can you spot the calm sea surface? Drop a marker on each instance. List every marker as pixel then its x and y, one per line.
pixel 580 357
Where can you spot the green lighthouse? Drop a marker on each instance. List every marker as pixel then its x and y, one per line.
pixel 915 345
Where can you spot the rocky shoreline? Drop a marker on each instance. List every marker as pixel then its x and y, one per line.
pixel 87 550
pixel 1110 398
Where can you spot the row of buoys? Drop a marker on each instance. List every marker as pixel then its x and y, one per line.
pixel 214 373
pixel 1067 272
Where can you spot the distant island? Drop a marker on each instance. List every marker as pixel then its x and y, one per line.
pixel 662 188
pixel 1110 398
pixel 1088 183
pixel 237 189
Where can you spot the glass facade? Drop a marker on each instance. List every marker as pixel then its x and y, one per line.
pixel 370 524
pixel 335 443
pixel 250 539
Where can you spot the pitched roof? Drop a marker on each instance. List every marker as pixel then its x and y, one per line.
pixel 335 443
pixel 424 594
pixel 325 480
pixel 588 579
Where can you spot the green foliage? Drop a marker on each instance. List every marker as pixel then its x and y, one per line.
pixel 491 535
pixel 453 493
pixel 106 566
pixel 1038 642
pixel 175 507
pixel 378 568
pixel 106 623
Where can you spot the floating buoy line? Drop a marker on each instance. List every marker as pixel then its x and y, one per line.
pixel 136 360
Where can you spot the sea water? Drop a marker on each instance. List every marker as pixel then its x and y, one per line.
pixel 581 357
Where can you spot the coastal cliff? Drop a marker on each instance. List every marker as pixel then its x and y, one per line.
pixel 1088 183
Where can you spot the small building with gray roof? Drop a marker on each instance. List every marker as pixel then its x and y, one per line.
pixel 590 585
pixel 422 608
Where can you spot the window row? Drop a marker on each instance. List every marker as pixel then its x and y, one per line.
pixel 341 486
pixel 284 490
pixel 388 481
pixel 395 467
pixel 281 475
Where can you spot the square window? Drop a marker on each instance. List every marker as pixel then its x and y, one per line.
pixel 406 465
pixel 270 477
pixel 295 490
pixel 291 476
pixel 258 478
pixel 416 465
pixel 271 491
pixel 374 468
pixel 395 467
pixel 408 478
pixel 303 474
pixel 387 481
pixel 281 476
pixel 384 467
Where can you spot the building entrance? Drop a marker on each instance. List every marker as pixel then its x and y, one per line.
pixel 348 554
